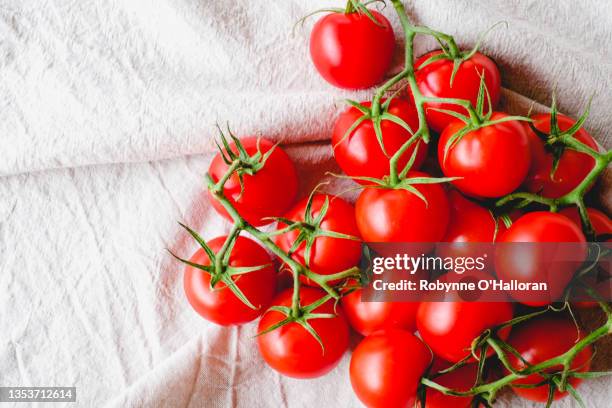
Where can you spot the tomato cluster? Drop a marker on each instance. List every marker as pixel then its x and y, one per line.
pixel 484 155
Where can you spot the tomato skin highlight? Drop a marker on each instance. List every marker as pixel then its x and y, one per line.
pixel 532 264
pixel 261 196
pixel 220 305
pixel 386 368
pixel 369 317
pixel 540 339
pixel 450 327
pixel 350 51
pixel 324 255
pixel 397 215
pixel 434 80
pixel 572 168
pixel 359 153
pixel 492 161
pixel 460 379
pixel 294 352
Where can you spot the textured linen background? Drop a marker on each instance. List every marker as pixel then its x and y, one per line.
pixel 106 129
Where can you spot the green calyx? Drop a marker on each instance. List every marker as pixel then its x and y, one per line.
pixel 302 316
pixel 239 160
pixel 309 229
pixel 219 268
pixel 477 118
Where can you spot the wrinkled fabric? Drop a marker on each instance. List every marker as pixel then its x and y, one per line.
pixel 107 123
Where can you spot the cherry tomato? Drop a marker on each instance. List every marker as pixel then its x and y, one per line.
pixel 572 167
pixel 350 50
pixel 397 215
pixel 460 379
pixel 552 264
pixel 450 327
pixel 261 196
pixel 293 351
pixel 386 368
pixel 600 221
pixel 368 317
pixel 470 229
pixel 434 80
pixel 540 339
pixel 492 160
pixel 340 218
pixel 220 305
pixel 359 153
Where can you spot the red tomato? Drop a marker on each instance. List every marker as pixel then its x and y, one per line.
pixel 359 153
pixel 600 221
pixel 293 351
pixel 540 339
pixel 386 368
pixel 220 305
pixel 460 379
pixel 492 160
pixel 351 51
pixel 450 327
pixel 324 259
pixel 262 196
pixel 368 317
pixel 552 264
pixel 470 229
pixel 572 168
pixel 434 80
pixel 397 215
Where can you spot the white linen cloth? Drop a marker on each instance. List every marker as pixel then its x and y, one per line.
pixel 106 129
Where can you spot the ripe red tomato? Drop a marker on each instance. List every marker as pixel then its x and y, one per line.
pixel 324 259
pixel 552 264
pixel 470 229
pixel 540 339
pixel 600 221
pixel 492 160
pixel 397 215
pixel 262 196
pixel 386 368
pixel 572 168
pixel 434 80
pixel 460 379
pixel 359 153
pixel 369 317
pixel 450 327
pixel 351 51
pixel 293 351
pixel 220 305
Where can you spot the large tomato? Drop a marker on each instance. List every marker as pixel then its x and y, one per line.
pixel 572 167
pixel 325 251
pixel 359 153
pixel 471 228
pixel 492 161
pixel 398 215
pixel 434 80
pixel 293 351
pixel 460 379
pixel 350 50
pixel 450 327
pixel 386 368
pixel 261 196
pixel 540 339
pixel 220 305
pixel 562 249
pixel 368 317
